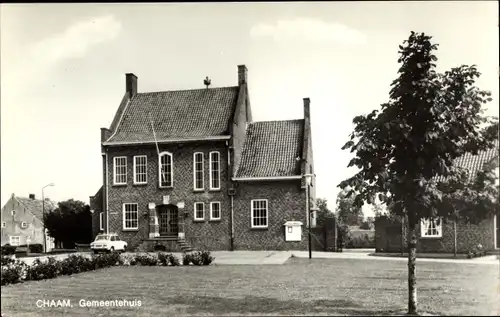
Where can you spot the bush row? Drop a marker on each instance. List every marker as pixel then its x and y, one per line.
pixel 16 271
pixel 363 242
pixel 32 248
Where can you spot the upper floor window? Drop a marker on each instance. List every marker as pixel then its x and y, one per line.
pixel 198 179
pixel 120 170
pixel 24 224
pixel 4 224
pixel 165 169
pixel 214 170
pixel 130 217
pixel 215 210
pixel 140 169
pixel 431 228
pixel 259 213
pixel 101 221
pixel 199 211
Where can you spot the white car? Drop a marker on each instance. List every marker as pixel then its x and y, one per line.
pixel 109 242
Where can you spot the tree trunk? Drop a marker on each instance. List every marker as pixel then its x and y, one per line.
pixel 412 259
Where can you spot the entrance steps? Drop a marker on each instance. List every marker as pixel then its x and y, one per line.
pixel 166 244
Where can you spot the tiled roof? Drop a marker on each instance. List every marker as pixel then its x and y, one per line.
pixel 271 149
pixel 177 114
pixel 35 206
pixel 476 163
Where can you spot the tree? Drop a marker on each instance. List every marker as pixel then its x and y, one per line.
pixel 430 120
pixel 367 224
pixel 347 212
pixel 378 210
pixel 323 211
pixel 70 223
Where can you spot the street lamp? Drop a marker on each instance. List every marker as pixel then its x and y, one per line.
pixel 308 178
pixel 43 218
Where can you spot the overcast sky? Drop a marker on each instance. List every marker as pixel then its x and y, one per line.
pixel 63 66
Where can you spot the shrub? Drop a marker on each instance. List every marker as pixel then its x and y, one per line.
pixel 146 260
pixel 43 270
pixel 13 271
pixel 196 258
pixel 173 260
pixel 206 258
pixel 163 258
pixel 76 264
pixel 8 249
pixel 186 259
pixel 476 252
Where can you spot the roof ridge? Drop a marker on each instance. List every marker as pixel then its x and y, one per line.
pixel 179 90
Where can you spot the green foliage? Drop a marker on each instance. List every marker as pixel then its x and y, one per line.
pixel 70 223
pixel 323 211
pixel 168 259
pixel 146 260
pixel 206 258
pixel 186 259
pixel 13 271
pixel 347 211
pixel 361 242
pixel 430 120
pixel 173 260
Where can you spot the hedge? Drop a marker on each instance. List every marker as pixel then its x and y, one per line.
pixel 16 271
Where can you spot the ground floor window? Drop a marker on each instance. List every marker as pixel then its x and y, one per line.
pixel 130 217
pixel 215 210
pixel 431 228
pixel 15 240
pixel 259 213
pixel 199 211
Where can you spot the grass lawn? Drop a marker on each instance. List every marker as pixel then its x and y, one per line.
pixel 300 287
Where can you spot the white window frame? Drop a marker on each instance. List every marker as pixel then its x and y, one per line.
pixel 24 224
pixel 202 171
pixel 115 174
pixel 424 225
pixel 18 238
pixel 4 224
pixel 124 216
pixel 101 221
pixel 145 165
pixel 218 171
pixel 165 153
pixel 252 213
pixel 211 210
pixel 195 213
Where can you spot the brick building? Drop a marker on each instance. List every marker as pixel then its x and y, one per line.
pixel 446 236
pixel 22 221
pixel 190 168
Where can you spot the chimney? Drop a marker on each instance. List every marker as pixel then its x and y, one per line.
pixel 242 74
pixel 32 196
pixel 307 102
pixel 131 84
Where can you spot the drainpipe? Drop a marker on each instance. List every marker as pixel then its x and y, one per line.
pixel 230 174
pixel 455 237
pixel 106 189
pixel 232 224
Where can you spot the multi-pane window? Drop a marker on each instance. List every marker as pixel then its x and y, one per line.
pixel 165 170
pixel 4 224
pixel 130 216
pixel 214 170
pixel 120 169
pixel 199 211
pixel 259 213
pixel 215 210
pixel 24 225
pixel 101 221
pixel 140 169
pixel 431 227
pixel 198 171
pixel 15 240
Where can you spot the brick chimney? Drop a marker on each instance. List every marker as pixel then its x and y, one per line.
pixel 242 74
pixel 307 102
pixel 131 84
pixel 32 196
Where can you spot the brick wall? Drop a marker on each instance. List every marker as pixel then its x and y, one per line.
pixel 286 202
pixel 203 234
pixel 388 237
pixel 96 206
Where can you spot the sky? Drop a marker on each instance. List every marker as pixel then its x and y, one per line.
pixel 63 72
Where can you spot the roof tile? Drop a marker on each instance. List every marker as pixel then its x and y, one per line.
pixel 35 206
pixel 177 114
pixel 270 149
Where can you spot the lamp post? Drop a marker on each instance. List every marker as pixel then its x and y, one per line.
pixel 308 178
pixel 43 218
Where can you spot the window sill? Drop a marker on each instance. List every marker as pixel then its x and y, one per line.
pixel 259 228
pixel 162 187
pixel 128 230
pixel 198 220
pixel 214 190
pixel 140 184
pixel 431 238
pixel 119 185
pixel 199 190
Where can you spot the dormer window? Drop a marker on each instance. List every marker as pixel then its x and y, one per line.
pixel 24 225
pixel 165 170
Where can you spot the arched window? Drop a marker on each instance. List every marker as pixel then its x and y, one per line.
pixel 165 170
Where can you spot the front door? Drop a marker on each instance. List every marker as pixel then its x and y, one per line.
pixel 168 220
